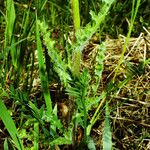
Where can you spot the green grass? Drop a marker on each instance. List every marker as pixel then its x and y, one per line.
pixel 42 71
pixel 135 7
pixel 10 126
pixel 53 88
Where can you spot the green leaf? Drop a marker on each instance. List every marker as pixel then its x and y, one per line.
pixel 98 67
pixel 14 52
pixel 107 135
pixel 66 139
pixel 42 71
pixel 10 125
pixel 59 65
pixel 6 145
pixel 91 144
pixel 10 20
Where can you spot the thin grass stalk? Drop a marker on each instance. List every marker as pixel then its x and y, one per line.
pixel 103 97
pixel 53 14
pixel 133 16
pixel 42 72
pixel 25 32
pixel 10 21
pixel 94 118
pixel 31 72
pixel 28 25
pixel 41 4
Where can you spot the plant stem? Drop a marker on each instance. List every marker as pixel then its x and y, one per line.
pixel 76 55
pixel 76 14
pixel 133 16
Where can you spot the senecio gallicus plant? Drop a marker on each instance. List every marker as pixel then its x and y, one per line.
pixel 83 94
pixel 79 88
pixel 83 35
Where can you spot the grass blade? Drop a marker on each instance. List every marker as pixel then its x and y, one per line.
pixel 6 145
pixel 36 136
pixel 10 125
pixel 133 16
pixel 42 70
pixel 10 20
pixel 14 53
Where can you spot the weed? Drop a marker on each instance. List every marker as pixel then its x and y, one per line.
pixel 44 50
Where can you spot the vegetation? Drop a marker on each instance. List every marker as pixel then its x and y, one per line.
pixel 72 76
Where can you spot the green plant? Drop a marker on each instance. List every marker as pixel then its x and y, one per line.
pixel 10 126
pixel 43 76
pixel 78 87
pixel 65 79
pixel 135 7
pixel 76 56
pixel 107 135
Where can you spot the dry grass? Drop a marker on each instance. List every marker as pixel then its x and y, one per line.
pixel 130 106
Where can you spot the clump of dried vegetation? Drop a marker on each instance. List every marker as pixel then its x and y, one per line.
pixel 130 105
